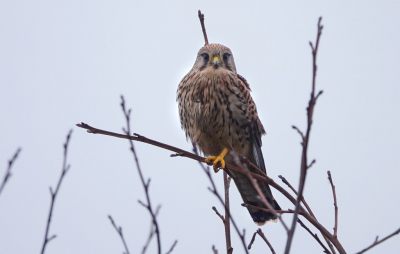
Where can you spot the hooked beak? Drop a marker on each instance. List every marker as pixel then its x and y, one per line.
pixel 216 61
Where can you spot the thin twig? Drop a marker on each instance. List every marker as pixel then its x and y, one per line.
pixel 203 27
pixel 376 242
pixel 304 163
pixel 172 247
pixel 334 203
pixel 151 234
pixel 8 172
pixel 215 251
pixel 213 189
pixel 65 169
pixel 145 185
pixel 182 153
pixel 218 214
pixel 259 231
pixel 119 231
pixel 313 235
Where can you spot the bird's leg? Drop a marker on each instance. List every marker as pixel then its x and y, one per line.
pixel 216 159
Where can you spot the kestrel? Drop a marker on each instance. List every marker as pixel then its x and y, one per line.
pixel 218 114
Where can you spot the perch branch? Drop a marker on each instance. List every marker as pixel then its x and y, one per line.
pixel 53 195
pixel 8 172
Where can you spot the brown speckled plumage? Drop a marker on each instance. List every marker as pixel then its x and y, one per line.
pixel 217 111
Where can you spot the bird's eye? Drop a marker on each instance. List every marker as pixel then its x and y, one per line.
pixel 226 56
pixel 205 56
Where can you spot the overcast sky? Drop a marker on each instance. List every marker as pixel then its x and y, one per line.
pixel 64 62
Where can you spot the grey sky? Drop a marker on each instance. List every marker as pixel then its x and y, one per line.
pixel 63 62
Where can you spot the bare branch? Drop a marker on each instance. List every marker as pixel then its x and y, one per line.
pixel 119 231
pixel 335 204
pixel 8 172
pixel 203 27
pixel 314 235
pixel 144 183
pixel 376 242
pixel 304 163
pixel 53 195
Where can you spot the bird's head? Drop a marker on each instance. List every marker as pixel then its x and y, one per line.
pixel 215 57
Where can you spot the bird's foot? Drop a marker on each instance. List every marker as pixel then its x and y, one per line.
pixel 217 159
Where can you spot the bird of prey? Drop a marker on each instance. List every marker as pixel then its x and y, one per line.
pixel 218 114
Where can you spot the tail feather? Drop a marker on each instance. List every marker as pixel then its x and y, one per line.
pixel 249 193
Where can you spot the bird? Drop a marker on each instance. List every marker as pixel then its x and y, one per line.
pixel 219 116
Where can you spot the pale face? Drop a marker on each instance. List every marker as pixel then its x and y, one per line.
pixel 215 58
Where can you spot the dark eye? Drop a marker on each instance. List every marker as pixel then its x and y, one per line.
pixel 226 56
pixel 205 56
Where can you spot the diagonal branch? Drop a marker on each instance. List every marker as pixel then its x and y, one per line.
pixel 8 172
pixel 65 169
pixel 314 235
pixel 376 242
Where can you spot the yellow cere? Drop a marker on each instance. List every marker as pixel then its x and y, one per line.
pixel 216 58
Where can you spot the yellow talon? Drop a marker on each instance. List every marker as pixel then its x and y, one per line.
pixel 216 159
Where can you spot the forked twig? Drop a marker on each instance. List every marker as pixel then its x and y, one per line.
pixel 305 138
pixel 119 231
pixel 203 27
pixel 335 204
pixel 8 172
pixel 65 169
pixel 261 234
pixel 376 242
